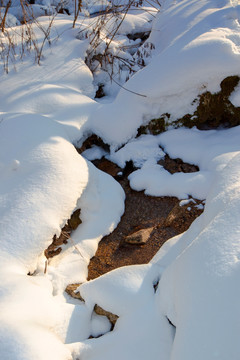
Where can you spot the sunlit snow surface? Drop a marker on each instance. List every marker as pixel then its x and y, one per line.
pixel 47 109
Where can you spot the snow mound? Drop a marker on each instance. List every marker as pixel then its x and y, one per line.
pixel 184 304
pixel 196 47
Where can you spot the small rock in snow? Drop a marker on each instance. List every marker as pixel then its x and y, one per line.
pixel 72 290
pixel 111 317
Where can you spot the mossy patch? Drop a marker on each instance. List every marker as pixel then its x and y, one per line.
pixel 155 126
pixel 214 110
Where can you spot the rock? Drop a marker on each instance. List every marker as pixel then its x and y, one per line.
pixel 75 220
pixel 182 216
pixel 111 317
pixel 155 126
pixel 51 253
pixel 214 110
pixel 228 85
pixel 55 247
pixel 71 290
pixel 93 140
pixel 139 237
pixel 100 92
pixel 143 35
pixel 177 165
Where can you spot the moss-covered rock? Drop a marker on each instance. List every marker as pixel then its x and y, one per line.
pixel 155 126
pixel 214 110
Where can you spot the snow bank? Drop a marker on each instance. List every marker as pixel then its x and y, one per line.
pixel 42 179
pixel 102 205
pixel 184 304
pixel 201 282
pixel 196 47
pixel 191 311
pixel 139 332
pixel 202 148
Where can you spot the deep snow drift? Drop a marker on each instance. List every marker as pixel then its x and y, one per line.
pixel 194 312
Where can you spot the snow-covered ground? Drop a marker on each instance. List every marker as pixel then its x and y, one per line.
pixel 45 111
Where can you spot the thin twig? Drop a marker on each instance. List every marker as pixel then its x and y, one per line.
pixel 131 91
pixel 75 246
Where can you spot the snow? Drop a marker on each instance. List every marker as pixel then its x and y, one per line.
pixel 48 171
pixel 96 205
pixel 157 181
pixel 184 304
pixel 215 268
pixel 185 202
pixel 93 153
pixel 197 45
pixel 139 330
pixel 138 150
pixel 202 148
